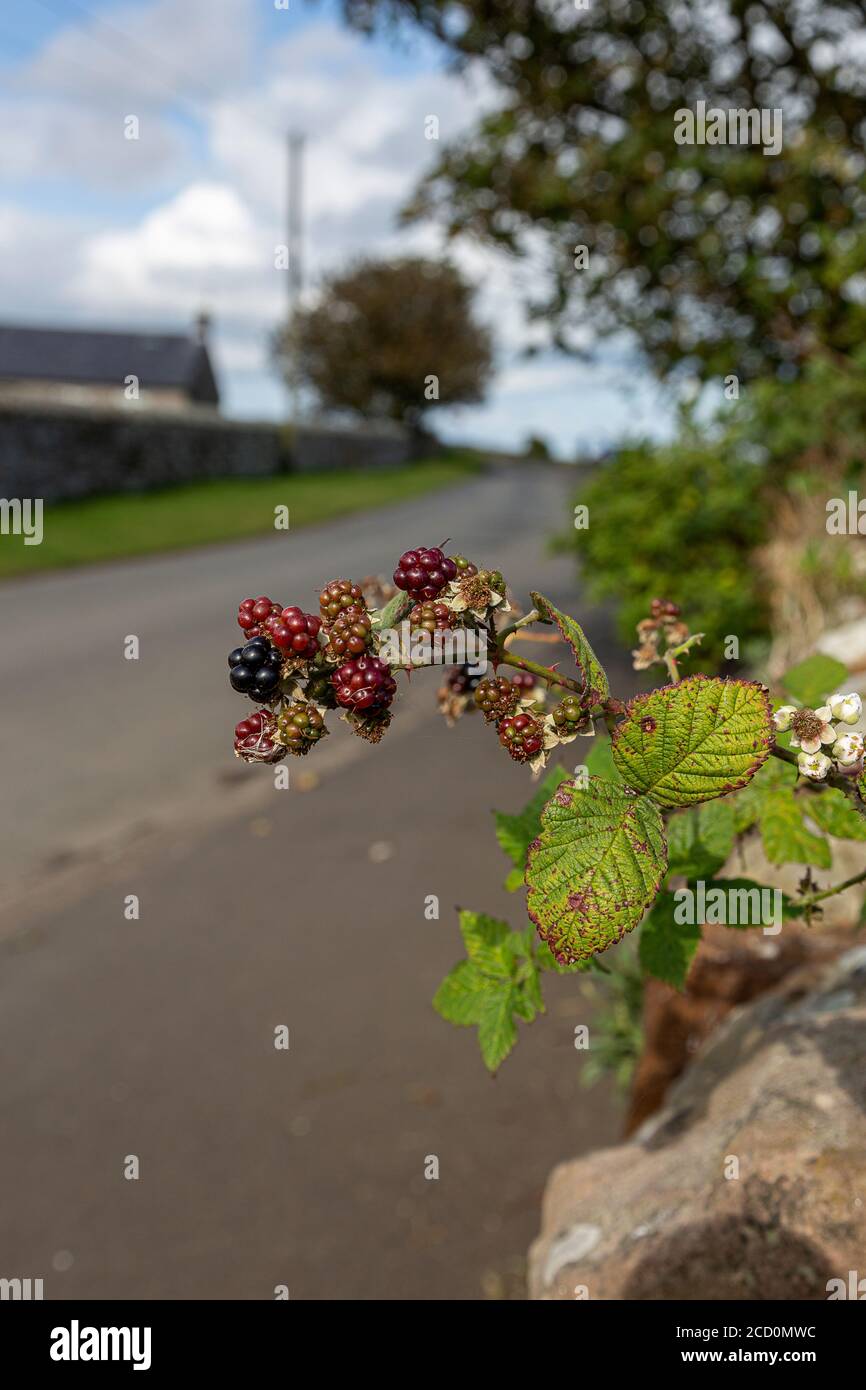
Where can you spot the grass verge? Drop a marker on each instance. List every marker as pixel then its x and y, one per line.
pixel 125 524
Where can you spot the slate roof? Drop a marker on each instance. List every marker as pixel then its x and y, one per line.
pixel 88 356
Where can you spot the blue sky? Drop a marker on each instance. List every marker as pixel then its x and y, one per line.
pixel 99 229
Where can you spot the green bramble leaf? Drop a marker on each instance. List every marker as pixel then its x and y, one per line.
pixel 700 839
pixel 812 680
pixel 833 812
pixel 785 838
pixel 498 983
pixel 696 740
pixel 667 947
pixel 516 833
pixel 484 938
pixel 497 1031
pixel 595 867
pixel 594 679
pixel 514 881
pixel 458 998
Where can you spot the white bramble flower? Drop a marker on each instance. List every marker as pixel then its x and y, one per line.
pixel 782 717
pixel 848 749
pixel 812 728
pixel 814 765
pixel 848 708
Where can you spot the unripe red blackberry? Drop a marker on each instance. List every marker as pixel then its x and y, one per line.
pixel 496 697
pixel 337 596
pixel 253 613
pixel 365 683
pixel 255 739
pixel 294 632
pixel 299 726
pixel 522 735
pixel 432 617
pixel 350 634
pixel 424 573
pixel 524 682
pixel 569 715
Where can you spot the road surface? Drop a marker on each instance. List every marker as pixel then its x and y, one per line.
pixel 153 1038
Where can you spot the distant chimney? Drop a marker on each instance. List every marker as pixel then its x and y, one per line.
pixel 202 327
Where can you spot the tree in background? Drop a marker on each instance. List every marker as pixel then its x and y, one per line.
pixel 718 258
pixel 390 339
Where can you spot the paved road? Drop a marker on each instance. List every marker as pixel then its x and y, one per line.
pixel 260 907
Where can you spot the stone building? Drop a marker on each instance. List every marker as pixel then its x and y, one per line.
pixel 54 368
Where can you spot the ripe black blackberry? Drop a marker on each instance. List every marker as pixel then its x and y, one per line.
pixel 339 595
pixel 496 697
pixel 432 617
pixel 521 735
pixel 300 726
pixel 254 670
pixel 424 573
pixel 569 715
pixel 365 683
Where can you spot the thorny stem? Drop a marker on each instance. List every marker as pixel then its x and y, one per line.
pixel 830 892
pixel 531 617
pixel 545 673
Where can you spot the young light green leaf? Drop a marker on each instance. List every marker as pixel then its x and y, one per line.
pixel 700 839
pixel 667 947
pixel 695 740
pixel 458 998
pixel 516 833
pixel 814 679
pixel 484 938
pixel 592 672
pixel 514 881
pixel 833 812
pixel 497 1031
pixel 595 867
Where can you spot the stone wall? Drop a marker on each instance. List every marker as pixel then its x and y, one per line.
pixel 68 453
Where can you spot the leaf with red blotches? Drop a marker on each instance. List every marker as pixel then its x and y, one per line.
pixel 595 868
pixel 695 740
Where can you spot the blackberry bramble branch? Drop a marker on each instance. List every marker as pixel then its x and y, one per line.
pixel 592 851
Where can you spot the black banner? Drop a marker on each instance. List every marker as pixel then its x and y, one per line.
pixel 154 1339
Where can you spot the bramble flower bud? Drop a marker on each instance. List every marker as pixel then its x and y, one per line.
pixel 814 765
pixel 782 717
pixel 848 749
pixel 848 708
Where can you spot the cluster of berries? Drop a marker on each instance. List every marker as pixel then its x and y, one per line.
pixel 659 632
pixel 301 664
pixel 296 633
pixel 423 574
pixel 813 731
